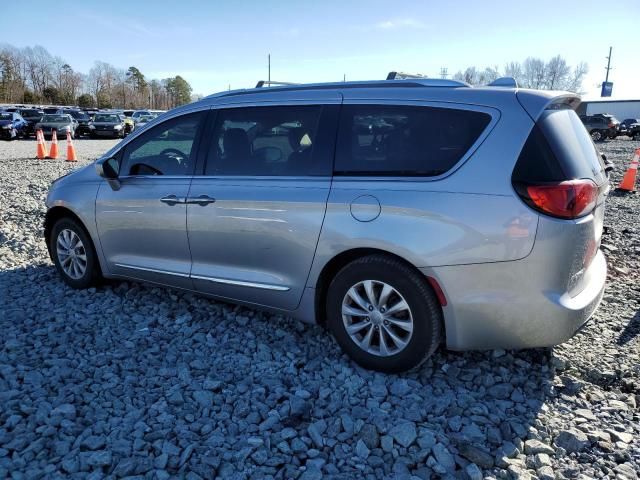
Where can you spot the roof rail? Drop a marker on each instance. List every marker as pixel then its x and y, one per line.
pixel 403 76
pixel 507 82
pixel 269 83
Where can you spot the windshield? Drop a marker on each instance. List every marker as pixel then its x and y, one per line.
pixel 31 113
pixel 6 116
pixel 139 114
pixel 55 118
pixel 79 115
pixel 107 118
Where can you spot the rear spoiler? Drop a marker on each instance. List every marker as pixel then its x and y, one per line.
pixel 535 102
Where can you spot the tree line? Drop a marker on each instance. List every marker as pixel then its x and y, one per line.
pixel 31 75
pixel 556 74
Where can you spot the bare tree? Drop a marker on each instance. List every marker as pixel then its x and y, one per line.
pixel 533 73
pixel 577 77
pixel 556 73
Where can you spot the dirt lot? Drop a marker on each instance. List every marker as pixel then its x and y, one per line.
pixel 138 381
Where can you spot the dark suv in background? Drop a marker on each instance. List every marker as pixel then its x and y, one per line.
pixel 79 116
pixel 32 116
pixel 631 128
pixel 601 126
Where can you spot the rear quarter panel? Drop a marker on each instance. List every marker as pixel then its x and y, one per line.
pixel 470 215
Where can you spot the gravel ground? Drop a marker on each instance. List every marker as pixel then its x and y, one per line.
pixel 138 381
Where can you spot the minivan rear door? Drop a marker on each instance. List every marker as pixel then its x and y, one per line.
pixel 255 213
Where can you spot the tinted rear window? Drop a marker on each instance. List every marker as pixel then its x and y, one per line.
pixel 400 140
pixel 558 148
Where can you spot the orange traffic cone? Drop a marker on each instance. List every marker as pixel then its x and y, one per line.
pixel 41 148
pixel 629 181
pixel 71 151
pixel 53 151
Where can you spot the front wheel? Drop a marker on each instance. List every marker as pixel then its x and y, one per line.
pixel 384 314
pixel 73 254
pixel 596 135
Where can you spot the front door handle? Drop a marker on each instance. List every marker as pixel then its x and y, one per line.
pixel 172 200
pixel 201 200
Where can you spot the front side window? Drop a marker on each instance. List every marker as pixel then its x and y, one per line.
pixel 166 149
pixel 265 141
pixel 383 140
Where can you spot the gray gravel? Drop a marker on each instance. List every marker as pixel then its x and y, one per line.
pixel 129 380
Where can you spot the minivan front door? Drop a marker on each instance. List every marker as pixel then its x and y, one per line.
pixel 142 225
pixel 264 193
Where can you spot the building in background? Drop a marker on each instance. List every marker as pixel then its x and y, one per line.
pixel 620 109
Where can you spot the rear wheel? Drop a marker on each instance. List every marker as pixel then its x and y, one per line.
pixel 384 314
pixel 596 135
pixel 73 254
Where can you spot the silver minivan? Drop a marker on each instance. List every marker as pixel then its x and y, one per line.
pixel 398 213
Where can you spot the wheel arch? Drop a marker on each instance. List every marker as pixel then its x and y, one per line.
pixel 56 213
pixel 335 264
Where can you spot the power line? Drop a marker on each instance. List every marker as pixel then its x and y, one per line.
pixel 443 72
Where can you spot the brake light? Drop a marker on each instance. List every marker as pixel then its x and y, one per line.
pixel 611 125
pixel 570 199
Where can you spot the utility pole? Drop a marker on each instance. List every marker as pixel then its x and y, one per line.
pixel 443 72
pixel 269 68
pixel 606 86
pixel 344 77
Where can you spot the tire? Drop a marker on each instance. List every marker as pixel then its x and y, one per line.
pixel 636 136
pixel 596 135
pixel 91 274
pixel 424 313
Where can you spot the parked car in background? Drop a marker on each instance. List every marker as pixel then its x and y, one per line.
pixel 600 126
pixel 139 113
pixel 107 125
pixel 12 125
pixel 142 120
pixel 50 110
pixel 62 123
pixel 83 120
pixel 32 116
pixel 398 213
pixel 631 128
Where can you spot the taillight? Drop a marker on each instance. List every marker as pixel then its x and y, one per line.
pixel 570 199
pixel 611 125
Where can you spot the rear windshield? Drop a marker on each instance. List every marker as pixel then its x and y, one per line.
pixel 79 115
pixel 55 118
pixel 31 113
pixel 400 140
pixel 559 148
pixel 107 118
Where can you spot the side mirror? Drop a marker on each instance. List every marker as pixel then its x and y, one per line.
pixel 109 169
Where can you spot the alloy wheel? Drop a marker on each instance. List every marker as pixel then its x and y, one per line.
pixel 377 318
pixel 71 254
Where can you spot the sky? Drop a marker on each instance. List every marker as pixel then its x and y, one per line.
pixel 215 45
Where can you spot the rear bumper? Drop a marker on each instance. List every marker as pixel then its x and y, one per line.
pixel 499 305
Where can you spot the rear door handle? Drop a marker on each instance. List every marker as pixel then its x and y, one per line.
pixel 172 200
pixel 200 200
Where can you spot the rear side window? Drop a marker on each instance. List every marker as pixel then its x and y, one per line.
pixel 266 141
pixel 559 148
pixel 389 140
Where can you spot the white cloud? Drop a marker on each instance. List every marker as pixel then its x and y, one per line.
pixel 397 23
